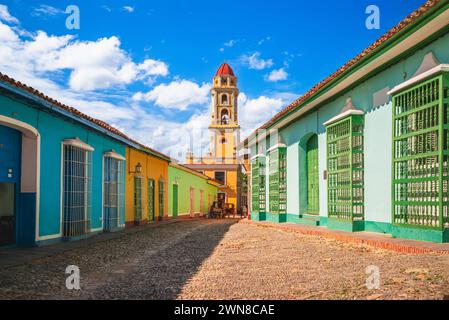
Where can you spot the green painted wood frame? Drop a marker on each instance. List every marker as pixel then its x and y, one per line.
pixel 345 164
pixel 278 181
pixel 313 192
pixel 420 155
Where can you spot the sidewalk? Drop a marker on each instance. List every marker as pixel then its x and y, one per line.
pixel 376 240
pixel 10 257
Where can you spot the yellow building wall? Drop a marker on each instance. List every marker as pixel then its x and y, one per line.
pixel 152 168
pixel 225 150
pixel 231 185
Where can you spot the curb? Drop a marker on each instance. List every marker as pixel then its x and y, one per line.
pixel 391 244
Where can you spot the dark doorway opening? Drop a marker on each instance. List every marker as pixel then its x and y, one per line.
pixel 7 214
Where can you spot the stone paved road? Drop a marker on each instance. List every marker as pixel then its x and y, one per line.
pixel 224 259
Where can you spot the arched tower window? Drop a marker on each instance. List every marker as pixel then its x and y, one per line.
pixel 224 99
pixel 224 116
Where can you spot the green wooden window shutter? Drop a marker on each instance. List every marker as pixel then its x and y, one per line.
pixel 278 181
pixel 258 190
pixel 345 164
pixel 150 200
pixel 420 155
pixel 313 194
pixel 137 199
pixel 161 198
pixel 175 200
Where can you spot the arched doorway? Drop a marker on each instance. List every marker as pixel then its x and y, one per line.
pixel 10 159
pixel 224 116
pixel 313 203
pixel 19 182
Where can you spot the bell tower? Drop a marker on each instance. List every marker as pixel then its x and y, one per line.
pixel 222 163
pixel 224 127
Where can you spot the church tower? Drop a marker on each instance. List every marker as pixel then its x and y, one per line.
pixel 224 127
pixel 222 163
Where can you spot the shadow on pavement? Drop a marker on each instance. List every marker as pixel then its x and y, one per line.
pixel 162 274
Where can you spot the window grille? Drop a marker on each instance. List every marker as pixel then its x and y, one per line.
pixel 420 155
pixel 138 200
pixel 150 199
pixel 161 196
pixel 114 204
pixel 258 190
pixel 345 164
pixel 278 181
pixel 77 191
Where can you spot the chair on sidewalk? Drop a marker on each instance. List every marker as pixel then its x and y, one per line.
pixel 216 211
pixel 230 210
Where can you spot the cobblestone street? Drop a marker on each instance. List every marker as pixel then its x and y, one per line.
pixel 225 259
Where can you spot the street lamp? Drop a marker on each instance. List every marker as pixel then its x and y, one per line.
pixel 138 169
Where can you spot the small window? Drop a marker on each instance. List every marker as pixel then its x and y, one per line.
pixel 224 99
pixel 220 176
pixel 77 189
pixel 114 204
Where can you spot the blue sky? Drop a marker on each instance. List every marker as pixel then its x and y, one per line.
pixel 146 66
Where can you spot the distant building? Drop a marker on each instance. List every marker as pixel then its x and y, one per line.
pixel 222 163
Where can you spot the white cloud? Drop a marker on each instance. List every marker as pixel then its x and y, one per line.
pixel 6 16
pixel 106 8
pixel 254 61
pixel 179 94
pixel 154 68
pixel 46 10
pixel 261 41
pixel 255 112
pixel 93 65
pixel 128 9
pixel 42 59
pixel 8 37
pixel 230 43
pixel 277 75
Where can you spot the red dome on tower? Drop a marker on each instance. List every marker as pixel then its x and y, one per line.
pixel 225 70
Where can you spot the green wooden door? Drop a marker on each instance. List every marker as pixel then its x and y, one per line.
pixel 150 200
pixel 175 200
pixel 312 176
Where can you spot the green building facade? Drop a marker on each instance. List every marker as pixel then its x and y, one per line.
pixel 190 192
pixel 367 148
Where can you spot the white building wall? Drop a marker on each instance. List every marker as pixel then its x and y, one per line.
pixel 378 159
pixel 292 179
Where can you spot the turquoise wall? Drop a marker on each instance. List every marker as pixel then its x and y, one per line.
pixel 53 130
pixel 369 96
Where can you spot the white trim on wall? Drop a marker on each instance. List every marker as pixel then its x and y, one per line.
pixel 76 142
pixel 115 155
pixel 421 77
